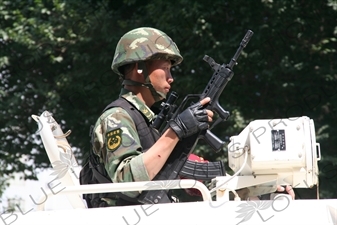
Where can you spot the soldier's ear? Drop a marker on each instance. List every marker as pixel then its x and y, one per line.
pixel 137 74
pixel 139 70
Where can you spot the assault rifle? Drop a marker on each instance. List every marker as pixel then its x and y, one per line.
pixel 176 161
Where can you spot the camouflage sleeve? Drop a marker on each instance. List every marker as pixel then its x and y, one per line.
pixel 116 132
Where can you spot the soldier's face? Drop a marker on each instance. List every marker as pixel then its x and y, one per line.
pixel 160 75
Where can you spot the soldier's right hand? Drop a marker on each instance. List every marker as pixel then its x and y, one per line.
pixel 192 120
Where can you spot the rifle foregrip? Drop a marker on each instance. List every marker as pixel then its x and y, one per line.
pixel 202 170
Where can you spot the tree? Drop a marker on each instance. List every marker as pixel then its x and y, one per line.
pixel 56 56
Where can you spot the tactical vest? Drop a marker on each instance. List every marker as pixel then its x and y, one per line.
pixel 147 135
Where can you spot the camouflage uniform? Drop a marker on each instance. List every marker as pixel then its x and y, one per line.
pixel 115 135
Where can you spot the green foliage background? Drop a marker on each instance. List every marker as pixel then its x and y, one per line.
pixel 56 56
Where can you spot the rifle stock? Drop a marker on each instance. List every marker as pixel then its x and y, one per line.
pixel 174 164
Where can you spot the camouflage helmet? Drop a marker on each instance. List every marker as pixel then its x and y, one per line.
pixel 144 43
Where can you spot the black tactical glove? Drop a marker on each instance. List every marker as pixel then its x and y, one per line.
pixel 190 121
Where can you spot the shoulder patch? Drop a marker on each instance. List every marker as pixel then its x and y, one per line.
pixel 114 139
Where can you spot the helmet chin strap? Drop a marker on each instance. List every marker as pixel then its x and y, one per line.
pixel 158 96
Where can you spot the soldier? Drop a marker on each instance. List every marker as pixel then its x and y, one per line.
pixel 143 59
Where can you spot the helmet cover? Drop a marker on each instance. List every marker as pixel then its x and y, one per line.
pixel 144 43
